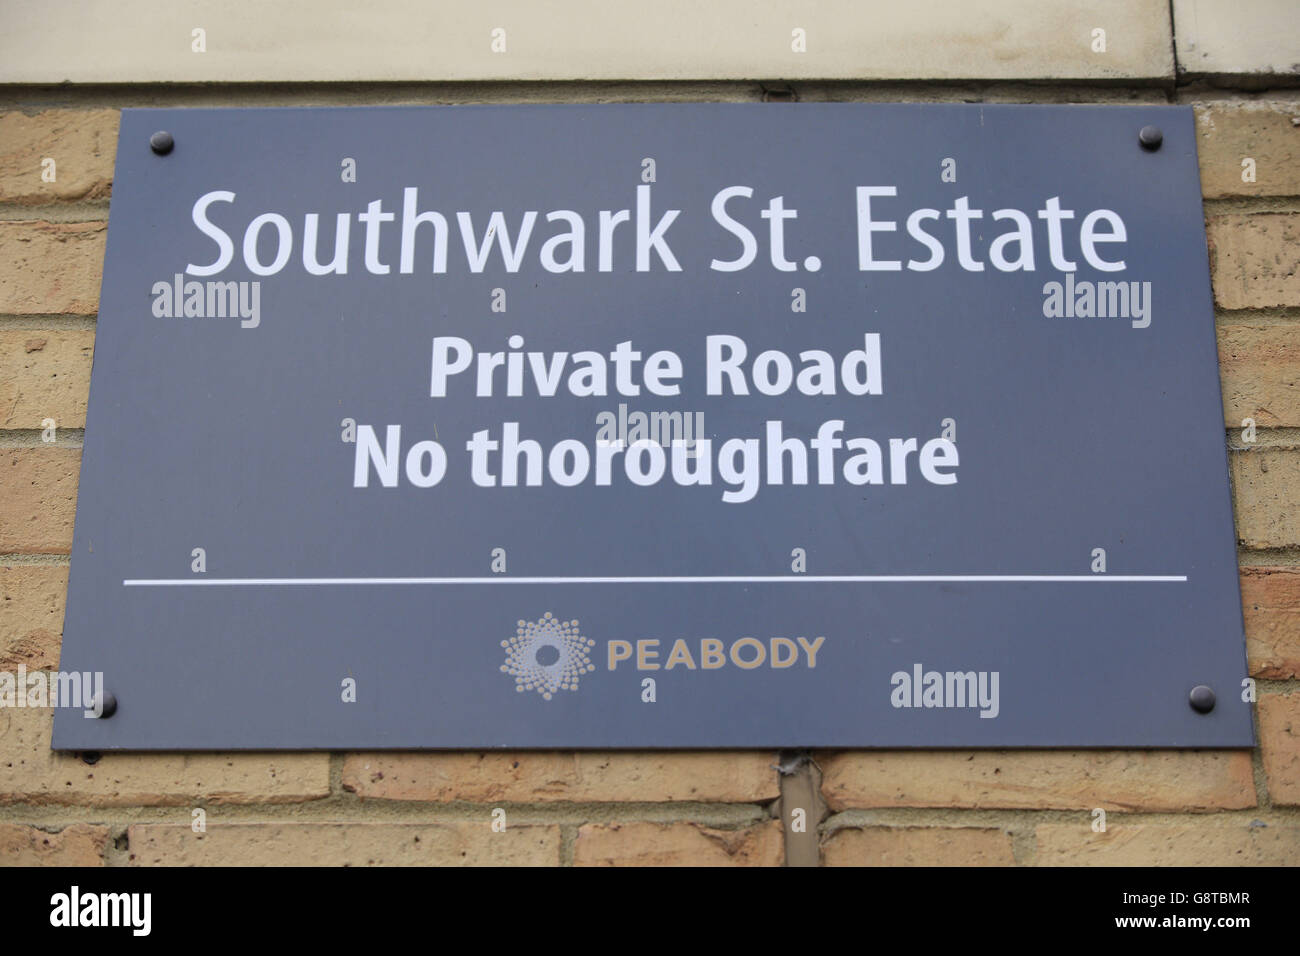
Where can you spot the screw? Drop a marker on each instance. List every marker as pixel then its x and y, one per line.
pixel 90 757
pixel 161 142
pixel 1150 137
pixel 1201 698
pixel 109 707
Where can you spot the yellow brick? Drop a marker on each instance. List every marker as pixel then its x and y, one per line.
pixel 38 499
pixel 1266 496
pixel 918 846
pixel 678 844
pixel 1255 260
pixel 31 615
pixel 1270 600
pixel 32 773
pixel 1268 133
pixel 526 777
pixel 45 375
pixel 82 144
pixel 1113 779
pixel 343 844
pixel 1167 845
pixel 77 845
pixel 48 267
pixel 1260 370
pixel 1279 741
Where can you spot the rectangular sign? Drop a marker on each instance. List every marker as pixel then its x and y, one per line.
pixel 656 426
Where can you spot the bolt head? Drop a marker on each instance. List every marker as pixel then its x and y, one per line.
pixel 109 706
pixel 161 142
pixel 1150 137
pixel 1201 698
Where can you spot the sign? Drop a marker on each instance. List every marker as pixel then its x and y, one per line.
pixel 656 426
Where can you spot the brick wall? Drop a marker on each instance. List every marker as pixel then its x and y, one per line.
pixel 947 807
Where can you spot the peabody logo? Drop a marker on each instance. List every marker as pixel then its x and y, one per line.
pixel 547 655
pixel 550 655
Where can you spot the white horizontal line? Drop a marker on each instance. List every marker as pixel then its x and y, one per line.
pixel 716 579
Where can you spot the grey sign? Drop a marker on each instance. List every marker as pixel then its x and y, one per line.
pixel 656 426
